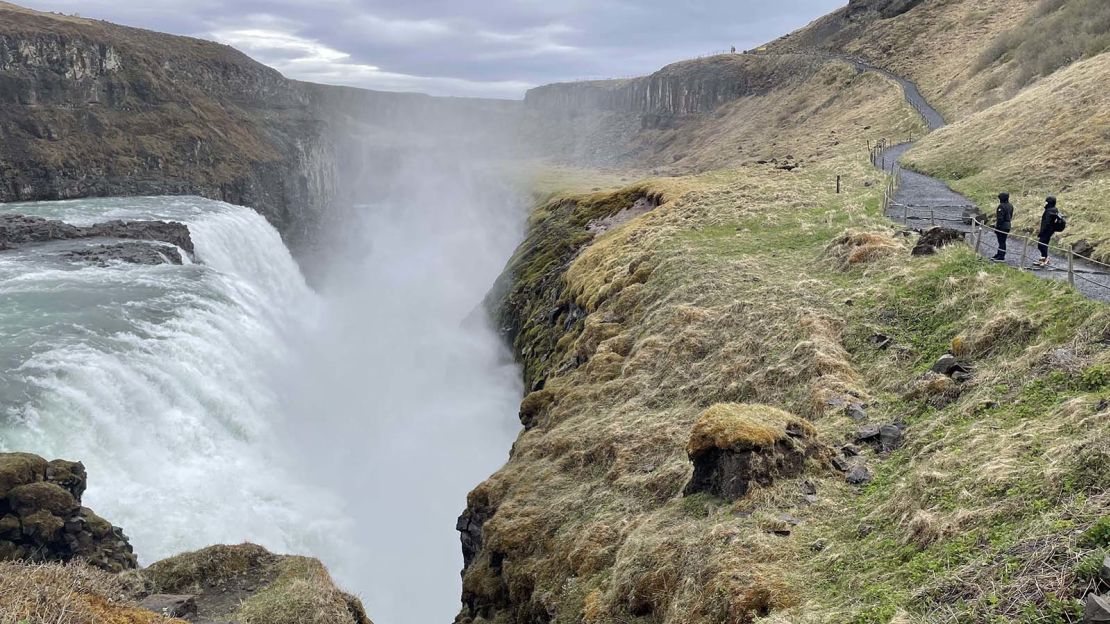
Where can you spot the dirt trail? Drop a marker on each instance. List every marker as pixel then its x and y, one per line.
pixel 920 200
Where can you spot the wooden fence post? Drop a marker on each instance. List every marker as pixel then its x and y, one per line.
pixel 837 185
pixel 933 217
pixel 978 237
pixel 1071 268
pixel 1024 251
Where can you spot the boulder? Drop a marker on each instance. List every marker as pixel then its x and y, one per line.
pixel 68 475
pixel 934 238
pixel 948 365
pixel 1096 610
pixel 1104 573
pixel 858 475
pixel 890 437
pixel 856 412
pixel 881 341
pixel 868 434
pixel 735 446
pixel 1083 247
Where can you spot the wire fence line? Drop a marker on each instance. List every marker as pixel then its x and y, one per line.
pixel 978 226
pixel 1098 268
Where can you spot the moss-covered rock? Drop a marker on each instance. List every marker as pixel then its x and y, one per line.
pixel 41 517
pixel 18 469
pixel 735 446
pixel 42 496
pixel 247 583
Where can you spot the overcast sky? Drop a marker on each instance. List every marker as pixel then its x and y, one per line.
pixel 494 48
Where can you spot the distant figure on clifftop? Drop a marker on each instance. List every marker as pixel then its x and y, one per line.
pixel 734 49
pixel 1003 222
pixel 1051 222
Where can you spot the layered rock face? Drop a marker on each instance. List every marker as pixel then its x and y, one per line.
pixel 685 88
pixel 611 121
pixel 41 517
pixel 93 109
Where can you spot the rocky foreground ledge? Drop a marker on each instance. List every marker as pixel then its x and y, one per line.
pixel 59 561
pixel 157 242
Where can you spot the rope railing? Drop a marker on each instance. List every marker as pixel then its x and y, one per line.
pixel 978 227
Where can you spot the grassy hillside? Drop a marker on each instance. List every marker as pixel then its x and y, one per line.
pixel 1053 138
pixel 763 288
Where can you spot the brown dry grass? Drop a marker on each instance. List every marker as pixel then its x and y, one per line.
pixel 73 593
pixel 855 247
pixel 938 45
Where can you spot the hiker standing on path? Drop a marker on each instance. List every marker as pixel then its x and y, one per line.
pixel 1051 223
pixel 1003 222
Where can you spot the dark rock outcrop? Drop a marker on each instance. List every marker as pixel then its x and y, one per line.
pixel 934 238
pixel 734 447
pixel 41 517
pixel 93 109
pixel 16 230
pixel 885 9
pixel 130 253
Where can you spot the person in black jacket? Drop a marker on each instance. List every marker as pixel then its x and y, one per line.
pixel 1003 221
pixel 1049 226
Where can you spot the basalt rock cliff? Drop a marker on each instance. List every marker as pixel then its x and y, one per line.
pixel 89 109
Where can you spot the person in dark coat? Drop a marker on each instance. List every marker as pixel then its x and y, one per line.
pixel 1048 227
pixel 1003 222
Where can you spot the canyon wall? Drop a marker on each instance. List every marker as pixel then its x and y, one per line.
pixel 91 109
pixel 633 121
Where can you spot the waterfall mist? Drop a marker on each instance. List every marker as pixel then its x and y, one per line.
pixel 227 401
pixel 400 397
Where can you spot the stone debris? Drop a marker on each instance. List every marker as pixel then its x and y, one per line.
pixel 858 475
pixel 1096 610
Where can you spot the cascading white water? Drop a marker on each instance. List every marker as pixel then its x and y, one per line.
pixel 155 376
pixel 225 401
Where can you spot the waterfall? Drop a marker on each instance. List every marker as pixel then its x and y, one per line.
pixel 225 401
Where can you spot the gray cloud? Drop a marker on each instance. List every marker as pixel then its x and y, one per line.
pixel 494 48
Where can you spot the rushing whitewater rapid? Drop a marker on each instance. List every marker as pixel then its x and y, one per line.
pixel 225 401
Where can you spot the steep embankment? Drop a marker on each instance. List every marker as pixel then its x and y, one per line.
pixel 743 288
pixel 938 45
pixel 748 400
pixel 715 112
pixel 89 108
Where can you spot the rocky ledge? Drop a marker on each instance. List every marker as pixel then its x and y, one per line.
pixel 18 230
pixel 130 253
pixel 61 562
pixel 41 517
